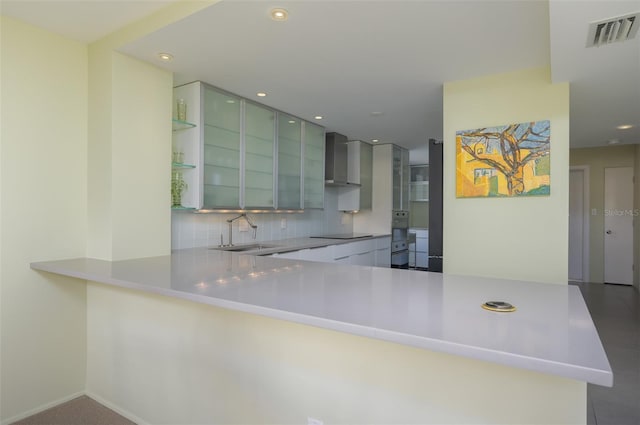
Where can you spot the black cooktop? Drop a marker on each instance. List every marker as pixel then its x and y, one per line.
pixel 344 236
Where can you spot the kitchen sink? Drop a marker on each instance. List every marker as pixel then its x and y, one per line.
pixel 241 248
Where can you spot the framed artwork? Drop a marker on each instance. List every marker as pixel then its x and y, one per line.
pixel 505 161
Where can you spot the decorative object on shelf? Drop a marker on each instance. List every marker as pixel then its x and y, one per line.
pixel 178 187
pixel 505 161
pixel 182 110
pixel 178 157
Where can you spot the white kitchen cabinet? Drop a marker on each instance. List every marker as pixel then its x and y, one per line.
pixel 363 259
pixel 343 260
pixel 370 252
pixel 313 146
pixel 401 176
pixel 322 254
pixel 289 162
pixel 259 146
pixel 382 252
pixel 357 196
pixel 246 155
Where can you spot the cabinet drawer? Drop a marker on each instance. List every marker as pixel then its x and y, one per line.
pixel 383 242
pixel 359 247
pixel 321 254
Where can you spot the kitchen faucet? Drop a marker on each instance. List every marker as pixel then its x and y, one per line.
pixel 231 220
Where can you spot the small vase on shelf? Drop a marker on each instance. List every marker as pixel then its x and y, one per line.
pixel 182 110
pixel 178 187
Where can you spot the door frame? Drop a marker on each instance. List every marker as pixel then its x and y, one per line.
pixel 585 219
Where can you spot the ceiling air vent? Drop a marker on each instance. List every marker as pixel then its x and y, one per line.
pixel 613 30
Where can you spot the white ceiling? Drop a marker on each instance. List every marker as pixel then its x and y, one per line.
pixel 346 59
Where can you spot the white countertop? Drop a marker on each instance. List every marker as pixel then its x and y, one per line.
pixel 551 331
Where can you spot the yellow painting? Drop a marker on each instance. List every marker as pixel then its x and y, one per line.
pixel 510 160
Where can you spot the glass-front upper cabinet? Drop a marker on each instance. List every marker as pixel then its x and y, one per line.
pixel 397 178
pixel 401 174
pixel 313 165
pixel 406 175
pixel 289 162
pixel 221 149
pixel 259 143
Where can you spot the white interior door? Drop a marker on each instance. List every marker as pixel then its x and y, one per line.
pixel 618 225
pixel 576 225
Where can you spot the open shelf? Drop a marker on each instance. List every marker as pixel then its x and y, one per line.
pixel 180 166
pixel 178 125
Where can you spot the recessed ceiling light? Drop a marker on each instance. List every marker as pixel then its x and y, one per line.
pixel 292 122
pixel 231 101
pixel 375 140
pixel 376 113
pixel 318 117
pixel 613 142
pixel 279 14
pixel 624 127
pixel 167 57
pixel 261 94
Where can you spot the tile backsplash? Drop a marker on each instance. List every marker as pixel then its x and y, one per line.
pixel 189 230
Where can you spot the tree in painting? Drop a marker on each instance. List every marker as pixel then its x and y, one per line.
pixel 508 149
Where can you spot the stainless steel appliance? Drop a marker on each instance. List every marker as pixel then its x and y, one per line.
pixel 399 239
pixel 435 205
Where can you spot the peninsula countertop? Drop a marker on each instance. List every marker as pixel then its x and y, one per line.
pixel 551 330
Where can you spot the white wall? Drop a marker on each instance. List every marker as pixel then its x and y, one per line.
pixel 523 238
pixel 42 217
pixel 378 218
pixel 189 230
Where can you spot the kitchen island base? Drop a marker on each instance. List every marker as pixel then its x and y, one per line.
pixel 167 360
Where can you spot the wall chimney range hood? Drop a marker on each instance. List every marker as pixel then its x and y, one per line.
pixel 335 164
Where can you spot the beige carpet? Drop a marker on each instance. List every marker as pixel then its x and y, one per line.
pixel 79 411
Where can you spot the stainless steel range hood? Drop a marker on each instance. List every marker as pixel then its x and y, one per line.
pixel 335 165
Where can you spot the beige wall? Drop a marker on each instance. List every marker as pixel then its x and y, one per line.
pixel 42 216
pixel 82 169
pixel 167 361
pixel 518 238
pixel 598 159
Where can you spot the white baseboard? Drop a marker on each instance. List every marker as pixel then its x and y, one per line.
pixel 117 409
pixel 42 408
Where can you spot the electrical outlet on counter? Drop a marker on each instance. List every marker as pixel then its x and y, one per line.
pixel 283 223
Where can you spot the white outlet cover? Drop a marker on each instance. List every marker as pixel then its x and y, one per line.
pixel 283 223
pixel 243 226
pixel 314 421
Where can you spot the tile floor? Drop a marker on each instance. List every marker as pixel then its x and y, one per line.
pixel 616 313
